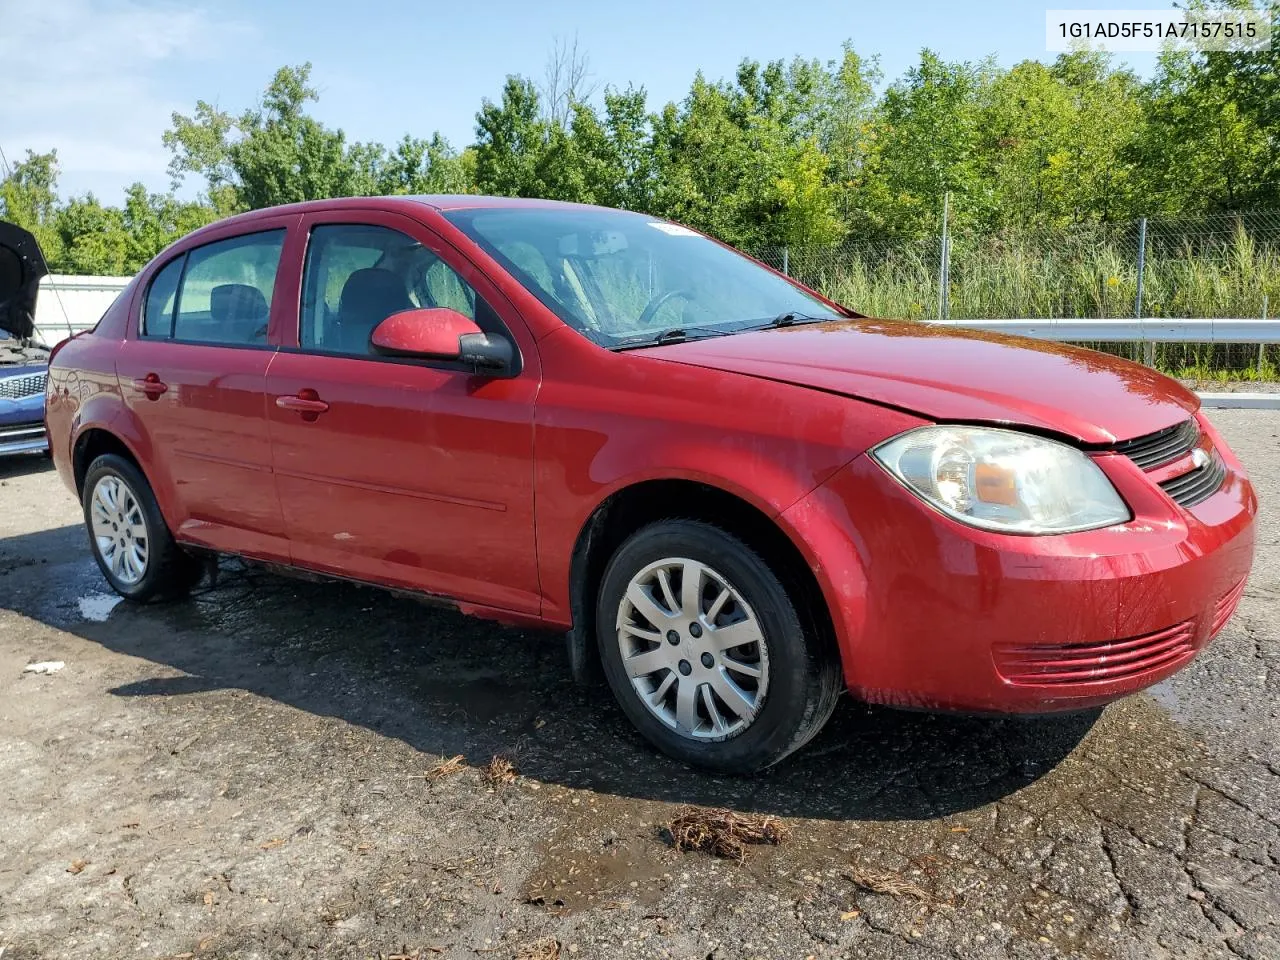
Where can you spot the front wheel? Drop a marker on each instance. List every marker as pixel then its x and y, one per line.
pixel 705 652
pixel 128 536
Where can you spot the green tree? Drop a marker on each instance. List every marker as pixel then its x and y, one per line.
pixel 742 161
pixel 512 142
pixel 416 166
pixel 1055 140
pixel 277 153
pixel 29 198
pixel 1208 140
pixel 153 221
pixel 846 129
pixel 613 152
pixel 92 239
pixel 927 143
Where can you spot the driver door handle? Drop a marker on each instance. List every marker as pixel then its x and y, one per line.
pixel 306 402
pixel 151 385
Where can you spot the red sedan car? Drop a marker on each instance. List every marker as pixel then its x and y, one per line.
pixel 744 496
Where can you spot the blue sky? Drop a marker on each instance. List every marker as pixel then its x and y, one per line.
pixel 98 79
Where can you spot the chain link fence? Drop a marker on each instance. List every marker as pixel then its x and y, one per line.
pixel 1223 266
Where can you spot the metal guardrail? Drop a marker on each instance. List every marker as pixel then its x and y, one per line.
pixel 1129 330
pixel 1240 401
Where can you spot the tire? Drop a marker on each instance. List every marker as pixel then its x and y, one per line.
pixel 115 491
pixel 797 676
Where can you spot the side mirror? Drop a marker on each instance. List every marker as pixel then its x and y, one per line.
pixel 440 333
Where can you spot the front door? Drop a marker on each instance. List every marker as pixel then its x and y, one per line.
pixel 194 373
pixel 403 472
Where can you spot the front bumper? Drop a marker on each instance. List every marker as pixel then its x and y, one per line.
pixel 22 428
pixel 29 437
pixel 932 614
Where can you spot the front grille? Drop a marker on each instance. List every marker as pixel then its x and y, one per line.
pixel 1198 485
pixel 1225 607
pixel 25 385
pixel 1170 444
pixel 1110 660
pixel 1161 447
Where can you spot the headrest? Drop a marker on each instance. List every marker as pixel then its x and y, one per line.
pixel 374 292
pixel 231 302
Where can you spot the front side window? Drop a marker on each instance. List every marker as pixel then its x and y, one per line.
pixel 225 293
pixel 622 278
pixel 357 275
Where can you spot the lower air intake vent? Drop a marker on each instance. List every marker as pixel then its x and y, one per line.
pixel 1094 662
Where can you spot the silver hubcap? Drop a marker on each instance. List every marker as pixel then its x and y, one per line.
pixel 119 529
pixel 693 649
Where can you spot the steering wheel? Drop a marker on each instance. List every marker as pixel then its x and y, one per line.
pixel 657 303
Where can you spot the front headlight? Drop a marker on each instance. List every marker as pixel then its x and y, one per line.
pixel 1003 480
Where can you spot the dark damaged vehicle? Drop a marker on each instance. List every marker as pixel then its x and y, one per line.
pixel 24 363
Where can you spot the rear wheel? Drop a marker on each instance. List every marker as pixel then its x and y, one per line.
pixel 705 652
pixel 128 536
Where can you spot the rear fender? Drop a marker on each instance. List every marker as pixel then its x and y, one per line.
pixel 108 412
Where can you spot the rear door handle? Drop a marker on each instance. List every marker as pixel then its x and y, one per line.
pixel 151 385
pixel 304 402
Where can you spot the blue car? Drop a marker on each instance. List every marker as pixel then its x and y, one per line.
pixel 24 364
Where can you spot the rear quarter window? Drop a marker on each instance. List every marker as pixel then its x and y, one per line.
pixel 157 310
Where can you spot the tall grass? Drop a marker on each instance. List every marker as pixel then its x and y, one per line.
pixel 1079 273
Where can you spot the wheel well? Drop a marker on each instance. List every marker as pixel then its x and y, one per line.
pixel 92 444
pixel 634 507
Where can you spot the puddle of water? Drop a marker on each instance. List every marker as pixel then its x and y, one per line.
pixel 1166 696
pixel 98 606
pixel 606 854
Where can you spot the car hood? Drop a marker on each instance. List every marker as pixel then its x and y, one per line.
pixel 21 267
pixel 955 375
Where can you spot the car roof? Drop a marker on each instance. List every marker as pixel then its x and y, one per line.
pixel 442 202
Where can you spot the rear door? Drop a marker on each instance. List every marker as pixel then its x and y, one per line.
pixel 193 370
pixel 408 473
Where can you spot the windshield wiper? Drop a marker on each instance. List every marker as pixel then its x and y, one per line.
pixel 792 317
pixel 670 335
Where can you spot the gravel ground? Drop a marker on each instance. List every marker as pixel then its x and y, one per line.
pixel 246 775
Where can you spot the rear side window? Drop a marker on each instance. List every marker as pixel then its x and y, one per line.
pixel 157 314
pixel 224 295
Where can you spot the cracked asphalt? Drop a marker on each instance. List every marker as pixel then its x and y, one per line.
pixel 244 775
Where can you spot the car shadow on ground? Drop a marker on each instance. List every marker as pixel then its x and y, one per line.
pixel 23 464
pixel 448 684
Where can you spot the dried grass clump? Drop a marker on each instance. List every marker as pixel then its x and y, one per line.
pixel 547 948
pixel 886 882
pixel 499 771
pixel 724 833
pixel 445 768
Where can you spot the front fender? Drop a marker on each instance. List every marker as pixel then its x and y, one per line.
pixel 607 421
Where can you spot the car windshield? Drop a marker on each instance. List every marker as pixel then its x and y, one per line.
pixel 626 280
